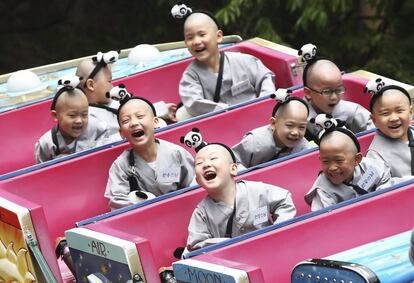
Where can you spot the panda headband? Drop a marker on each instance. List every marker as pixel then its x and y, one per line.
pixel 181 11
pixel 330 124
pixel 101 60
pixel 194 139
pixel 66 83
pixel 308 58
pixel 127 97
pixel 377 88
pixel 344 131
pixel 283 97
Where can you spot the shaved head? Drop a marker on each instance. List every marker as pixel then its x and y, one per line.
pixel 218 148
pixel 200 19
pixel 339 140
pixel 84 69
pixel 137 104
pixel 293 108
pixel 69 95
pixel 322 70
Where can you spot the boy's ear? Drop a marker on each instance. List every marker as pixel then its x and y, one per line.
pixel 273 122
pixel 54 115
pixel 156 122
pixel 219 35
pixel 306 92
pixel 358 158
pixel 90 84
pixel 233 169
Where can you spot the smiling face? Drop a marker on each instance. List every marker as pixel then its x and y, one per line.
pixel 289 124
pixel 214 168
pixel 391 114
pixel 321 76
pixel 71 114
pixel 202 37
pixel 339 157
pixel 137 123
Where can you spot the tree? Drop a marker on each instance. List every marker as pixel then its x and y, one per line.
pixel 374 35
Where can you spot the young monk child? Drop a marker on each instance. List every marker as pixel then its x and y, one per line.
pixel 216 80
pixel 75 131
pixel 393 142
pixel 96 82
pixel 345 173
pixel 152 165
pixel 323 88
pixel 284 135
pixel 232 207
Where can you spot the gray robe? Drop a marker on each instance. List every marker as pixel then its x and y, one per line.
pixel 107 117
pixel 258 146
pixel 244 78
pixel 394 152
pixel 209 220
pixel 356 117
pixel 169 156
pixel 324 193
pixel 95 134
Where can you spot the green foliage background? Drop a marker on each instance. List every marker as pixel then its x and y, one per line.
pixel 374 35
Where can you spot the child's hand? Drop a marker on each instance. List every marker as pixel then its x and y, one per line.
pixel 172 109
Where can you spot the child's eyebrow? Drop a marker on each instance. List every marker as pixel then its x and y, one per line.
pixel 383 108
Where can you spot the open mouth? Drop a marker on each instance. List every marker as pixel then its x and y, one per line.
pixel 335 175
pixel 138 133
pixel 393 127
pixel 200 50
pixel 332 105
pixel 210 175
pixel 77 128
pixel 292 139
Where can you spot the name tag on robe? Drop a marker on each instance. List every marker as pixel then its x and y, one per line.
pixel 260 215
pixel 240 87
pixel 169 175
pixel 369 178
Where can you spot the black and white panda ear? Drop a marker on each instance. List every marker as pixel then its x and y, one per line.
pixel 118 93
pixel 97 58
pixel 193 139
pixel 109 57
pixel 69 82
pixel 307 53
pixel 180 11
pixel 325 121
pixel 374 86
pixel 340 123
pixel 281 95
